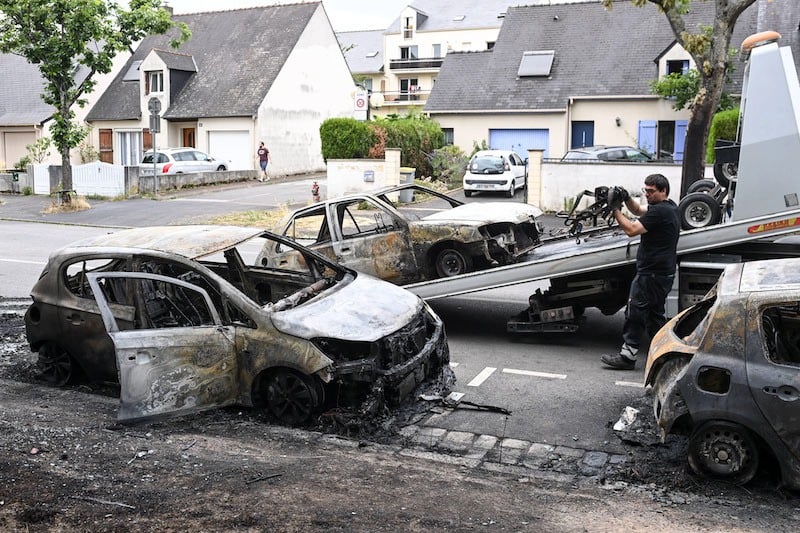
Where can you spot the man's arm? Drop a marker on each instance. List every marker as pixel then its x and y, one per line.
pixel 632 228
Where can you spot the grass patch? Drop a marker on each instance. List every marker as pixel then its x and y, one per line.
pixel 255 218
pixel 77 203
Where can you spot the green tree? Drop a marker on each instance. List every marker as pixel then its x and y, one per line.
pixel 71 41
pixel 709 48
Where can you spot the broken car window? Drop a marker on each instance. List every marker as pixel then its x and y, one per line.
pixel 781 330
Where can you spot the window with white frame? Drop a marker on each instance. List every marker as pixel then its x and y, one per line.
pixel 677 66
pixel 155 81
pixel 409 52
pixel 129 144
pixel 437 50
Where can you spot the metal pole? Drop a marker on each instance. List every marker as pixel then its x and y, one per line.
pixel 155 176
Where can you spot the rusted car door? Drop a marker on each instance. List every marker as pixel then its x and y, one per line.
pixel 180 359
pixel 773 365
pixel 369 238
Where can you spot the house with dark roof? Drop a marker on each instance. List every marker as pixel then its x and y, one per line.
pixel 570 75
pixel 269 74
pixel 363 51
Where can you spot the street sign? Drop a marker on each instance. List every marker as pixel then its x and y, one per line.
pixel 360 101
pixel 154 106
pixel 155 124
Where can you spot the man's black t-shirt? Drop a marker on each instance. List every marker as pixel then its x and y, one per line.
pixel 657 251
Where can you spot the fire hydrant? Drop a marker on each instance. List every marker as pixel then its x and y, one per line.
pixel 315 192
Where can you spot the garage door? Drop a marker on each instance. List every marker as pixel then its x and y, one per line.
pixel 233 146
pixel 520 141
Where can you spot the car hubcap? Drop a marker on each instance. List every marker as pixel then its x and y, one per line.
pixel 291 398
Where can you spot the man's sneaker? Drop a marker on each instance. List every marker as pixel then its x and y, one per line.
pixel 618 361
pixel 624 360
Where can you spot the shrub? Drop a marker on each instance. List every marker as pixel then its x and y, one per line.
pixel 724 125
pixel 416 136
pixel 449 164
pixel 345 138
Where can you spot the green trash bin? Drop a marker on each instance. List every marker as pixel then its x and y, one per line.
pixel 407 177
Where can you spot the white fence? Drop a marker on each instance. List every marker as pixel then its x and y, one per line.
pixel 96 178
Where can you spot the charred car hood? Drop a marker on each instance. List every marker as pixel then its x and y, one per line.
pixel 366 309
pixel 480 213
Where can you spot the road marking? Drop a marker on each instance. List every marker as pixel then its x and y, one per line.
pixel 453 365
pixel 207 200
pixel 25 262
pixel 629 384
pixel 534 374
pixel 480 378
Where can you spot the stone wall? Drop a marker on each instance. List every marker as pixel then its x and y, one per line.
pixel 349 176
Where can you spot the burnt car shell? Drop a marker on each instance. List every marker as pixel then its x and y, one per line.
pixel 727 373
pixel 190 326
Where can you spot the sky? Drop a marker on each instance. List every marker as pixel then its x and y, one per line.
pixel 345 15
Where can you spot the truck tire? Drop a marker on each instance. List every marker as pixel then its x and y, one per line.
pixel 701 186
pixel 725 173
pixel 699 210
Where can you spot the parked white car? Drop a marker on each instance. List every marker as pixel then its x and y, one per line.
pixel 179 161
pixel 495 171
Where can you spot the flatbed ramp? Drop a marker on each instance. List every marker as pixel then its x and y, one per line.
pixel 566 256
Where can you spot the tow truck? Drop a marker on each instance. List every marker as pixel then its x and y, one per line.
pixel 593 266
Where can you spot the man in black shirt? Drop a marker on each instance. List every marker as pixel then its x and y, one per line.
pixel 659 226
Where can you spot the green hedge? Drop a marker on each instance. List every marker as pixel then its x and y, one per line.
pixel 416 136
pixel 724 125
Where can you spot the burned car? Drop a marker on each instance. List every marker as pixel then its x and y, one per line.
pixel 727 373
pixel 367 232
pixel 178 317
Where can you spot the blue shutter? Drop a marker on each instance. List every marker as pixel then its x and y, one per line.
pixel 680 139
pixel 647 135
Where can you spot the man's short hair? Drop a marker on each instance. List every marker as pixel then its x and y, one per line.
pixel 659 181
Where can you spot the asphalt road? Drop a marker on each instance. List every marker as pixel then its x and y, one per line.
pixel 554 385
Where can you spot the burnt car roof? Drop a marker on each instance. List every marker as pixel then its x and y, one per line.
pixel 770 275
pixel 191 242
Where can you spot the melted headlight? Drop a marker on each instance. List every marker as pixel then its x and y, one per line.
pixel 340 350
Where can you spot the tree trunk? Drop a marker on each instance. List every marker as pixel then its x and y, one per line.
pixel 694 155
pixel 66 177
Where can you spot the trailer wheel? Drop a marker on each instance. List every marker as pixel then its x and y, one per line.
pixel 725 173
pixel 701 186
pixel 699 210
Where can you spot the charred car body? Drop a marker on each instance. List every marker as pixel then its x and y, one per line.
pixel 727 372
pixel 367 232
pixel 184 324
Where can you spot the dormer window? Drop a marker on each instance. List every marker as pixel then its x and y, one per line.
pixel 679 66
pixel 155 82
pixel 408 27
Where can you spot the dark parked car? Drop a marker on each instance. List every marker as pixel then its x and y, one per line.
pixel 615 154
pixel 368 233
pixel 178 316
pixel 727 373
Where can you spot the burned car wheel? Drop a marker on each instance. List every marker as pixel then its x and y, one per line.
pixel 452 262
pixel 55 366
pixel 291 397
pixel 723 450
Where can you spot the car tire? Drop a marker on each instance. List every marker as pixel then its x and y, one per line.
pixel 699 210
pixel 467 193
pixel 55 366
pixel 451 261
pixel 291 397
pixel 221 168
pixel 512 189
pixel 701 186
pixel 723 450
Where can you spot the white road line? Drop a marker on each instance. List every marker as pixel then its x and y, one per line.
pixel 480 378
pixel 534 374
pixel 24 262
pixel 629 384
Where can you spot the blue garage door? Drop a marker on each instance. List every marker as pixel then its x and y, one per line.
pixel 520 141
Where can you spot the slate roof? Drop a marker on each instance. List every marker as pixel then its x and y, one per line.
pixel 597 53
pixel 362 44
pixel 441 15
pixel 238 54
pixel 173 61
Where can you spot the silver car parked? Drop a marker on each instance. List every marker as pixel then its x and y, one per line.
pixel 179 161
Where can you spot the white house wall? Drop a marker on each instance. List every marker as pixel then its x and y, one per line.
pixel 315 84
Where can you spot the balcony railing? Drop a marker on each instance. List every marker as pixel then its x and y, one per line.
pixel 414 97
pixel 416 63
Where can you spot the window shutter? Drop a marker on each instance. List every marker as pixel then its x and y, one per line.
pixel 647 135
pixel 680 140
pixel 147 139
pixel 106 145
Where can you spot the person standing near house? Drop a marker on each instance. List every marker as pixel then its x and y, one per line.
pixel 659 225
pixel 263 160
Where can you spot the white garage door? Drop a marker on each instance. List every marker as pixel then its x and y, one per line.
pixel 233 146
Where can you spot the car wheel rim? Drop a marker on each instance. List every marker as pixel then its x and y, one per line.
pixel 724 451
pixel 54 365
pixel 450 263
pixel 291 397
